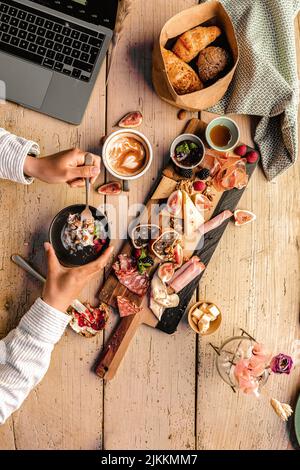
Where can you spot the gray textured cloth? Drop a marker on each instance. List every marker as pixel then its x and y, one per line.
pixel 266 81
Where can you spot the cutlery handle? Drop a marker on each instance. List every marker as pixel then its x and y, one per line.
pixel 88 161
pixel 17 259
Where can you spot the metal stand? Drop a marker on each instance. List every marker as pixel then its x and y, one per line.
pixel 217 350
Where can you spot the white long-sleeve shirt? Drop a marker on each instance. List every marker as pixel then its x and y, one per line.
pixel 26 351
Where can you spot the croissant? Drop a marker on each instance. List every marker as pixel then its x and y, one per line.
pixel 183 78
pixel 190 43
pixel 211 61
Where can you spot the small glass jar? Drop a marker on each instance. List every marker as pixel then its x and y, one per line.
pixel 230 353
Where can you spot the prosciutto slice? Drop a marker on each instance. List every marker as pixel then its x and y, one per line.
pixel 228 171
pixel 126 271
pixel 126 307
pixel 186 274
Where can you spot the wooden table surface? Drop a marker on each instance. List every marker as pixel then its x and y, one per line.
pixel 167 393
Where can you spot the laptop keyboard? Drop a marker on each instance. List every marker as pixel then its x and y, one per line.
pixel 45 40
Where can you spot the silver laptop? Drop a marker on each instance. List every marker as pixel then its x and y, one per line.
pixel 51 52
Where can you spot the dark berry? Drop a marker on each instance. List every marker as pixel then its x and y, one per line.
pixel 185 172
pixel 148 260
pixel 203 174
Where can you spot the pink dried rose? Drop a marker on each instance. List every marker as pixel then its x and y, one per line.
pixel 281 364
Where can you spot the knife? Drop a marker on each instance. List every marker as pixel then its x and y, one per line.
pixel 22 263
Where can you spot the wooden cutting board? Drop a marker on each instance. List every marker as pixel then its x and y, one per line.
pixel 119 341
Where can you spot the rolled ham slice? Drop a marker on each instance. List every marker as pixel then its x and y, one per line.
pixel 216 221
pixel 186 274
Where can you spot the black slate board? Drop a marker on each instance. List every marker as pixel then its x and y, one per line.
pixel 229 200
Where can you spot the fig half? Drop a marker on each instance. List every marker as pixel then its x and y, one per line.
pixel 110 189
pixel 174 203
pixel 131 120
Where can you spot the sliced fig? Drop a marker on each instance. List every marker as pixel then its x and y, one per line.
pixel 166 271
pixel 142 234
pixel 130 120
pixel 110 189
pixel 163 246
pixel 202 202
pixel 243 217
pixel 178 255
pixel 174 203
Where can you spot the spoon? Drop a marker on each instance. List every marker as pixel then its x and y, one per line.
pixel 19 261
pixel 86 214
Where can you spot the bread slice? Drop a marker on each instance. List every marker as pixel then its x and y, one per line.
pixel 190 43
pixel 89 322
pixel 183 78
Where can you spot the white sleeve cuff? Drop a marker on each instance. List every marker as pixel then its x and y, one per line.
pixel 45 322
pixel 13 151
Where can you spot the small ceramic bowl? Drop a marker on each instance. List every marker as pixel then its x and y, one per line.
pixel 178 140
pixel 87 254
pixel 234 131
pixel 214 325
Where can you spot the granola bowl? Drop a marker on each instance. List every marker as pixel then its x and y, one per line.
pixel 75 242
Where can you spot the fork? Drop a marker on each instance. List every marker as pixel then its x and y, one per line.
pixel 86 214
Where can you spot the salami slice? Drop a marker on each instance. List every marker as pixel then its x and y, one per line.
pixel 126 307
pixel 126 271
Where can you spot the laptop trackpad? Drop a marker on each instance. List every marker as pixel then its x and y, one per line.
pixel 25 82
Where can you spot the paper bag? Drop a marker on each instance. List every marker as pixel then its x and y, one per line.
pixel 210 13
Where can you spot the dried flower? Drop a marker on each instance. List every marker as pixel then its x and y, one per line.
pixel 123 11
pixel 281 364
pixel 283 410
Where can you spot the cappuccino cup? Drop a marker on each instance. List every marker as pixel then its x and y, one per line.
pixel 127 154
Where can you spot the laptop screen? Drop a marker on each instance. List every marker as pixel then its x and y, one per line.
pixel 99 12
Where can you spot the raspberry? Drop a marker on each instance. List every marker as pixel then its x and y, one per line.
pixel 199 186
pixel 137 253
pixel 241 150
pixel 252 156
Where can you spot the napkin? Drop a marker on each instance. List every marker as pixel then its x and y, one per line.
pixel 266 82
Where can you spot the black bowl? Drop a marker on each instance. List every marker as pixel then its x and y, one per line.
pixel 87 254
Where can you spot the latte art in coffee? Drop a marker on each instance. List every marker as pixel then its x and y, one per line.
pixel 127 156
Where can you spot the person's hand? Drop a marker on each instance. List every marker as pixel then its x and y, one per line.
pixel 63 285
pixel 64 167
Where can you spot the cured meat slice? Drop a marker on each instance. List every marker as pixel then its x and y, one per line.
pixel 216 221
pixel 126 271
pixel 186 274
pixel 228 171
pixel 126 307
pixel 211 162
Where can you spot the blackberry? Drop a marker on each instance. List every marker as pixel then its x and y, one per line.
pixel 148 260
pixel 203 174
pixel 185 172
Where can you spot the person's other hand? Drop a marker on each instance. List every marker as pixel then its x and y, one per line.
pixel 63 285
pixel 64 167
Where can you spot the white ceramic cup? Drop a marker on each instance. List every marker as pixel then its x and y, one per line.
pixel 233 128
pixel 112 138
